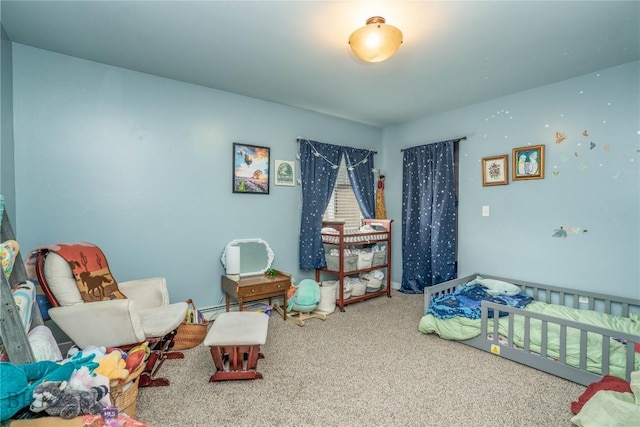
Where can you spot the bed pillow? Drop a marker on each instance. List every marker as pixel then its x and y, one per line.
pixel 497 287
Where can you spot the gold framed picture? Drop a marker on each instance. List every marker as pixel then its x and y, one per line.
pixel 528 162
pixel 495 170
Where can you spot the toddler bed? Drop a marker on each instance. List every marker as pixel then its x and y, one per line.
pixel 577 335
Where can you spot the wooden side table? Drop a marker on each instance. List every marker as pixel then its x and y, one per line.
pixel 251 288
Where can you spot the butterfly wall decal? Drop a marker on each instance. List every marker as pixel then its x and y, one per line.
pixel 560 137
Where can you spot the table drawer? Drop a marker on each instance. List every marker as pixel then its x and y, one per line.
pixel 263 288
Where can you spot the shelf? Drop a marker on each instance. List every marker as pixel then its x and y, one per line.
pixel 342 239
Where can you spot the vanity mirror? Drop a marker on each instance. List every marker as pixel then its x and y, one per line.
pixel 255 257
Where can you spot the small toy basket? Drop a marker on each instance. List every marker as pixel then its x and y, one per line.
pixel 192 331
pixel 124 393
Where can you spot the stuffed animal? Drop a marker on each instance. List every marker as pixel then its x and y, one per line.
pixel 306 297
pixel 136 356
pixel 84 379
pixel 19 381
pixel 112 366
pixel 57 400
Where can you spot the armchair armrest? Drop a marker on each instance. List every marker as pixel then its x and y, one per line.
pixel 116 322
pixel 147 293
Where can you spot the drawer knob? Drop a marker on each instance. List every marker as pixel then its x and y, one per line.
pixel 253 290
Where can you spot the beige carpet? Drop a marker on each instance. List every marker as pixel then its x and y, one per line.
pixel 367 366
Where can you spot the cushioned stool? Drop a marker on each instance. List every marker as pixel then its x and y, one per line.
pixel 237 336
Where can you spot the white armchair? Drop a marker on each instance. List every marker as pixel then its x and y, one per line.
pixel 145 315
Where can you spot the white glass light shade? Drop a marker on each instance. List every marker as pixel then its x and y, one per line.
pixel 376 41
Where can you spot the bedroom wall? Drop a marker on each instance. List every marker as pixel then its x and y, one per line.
pixel 591 182
pixel 7 169
pixel 141 166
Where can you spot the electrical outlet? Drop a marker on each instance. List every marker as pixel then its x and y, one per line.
pixel 485 211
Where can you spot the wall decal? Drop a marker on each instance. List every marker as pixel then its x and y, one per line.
pixel 560 137
pixel 585 133
pixel 564 231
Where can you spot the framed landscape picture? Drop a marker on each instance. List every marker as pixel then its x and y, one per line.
pixel 528 162
pixel 250 169
pixel 495 170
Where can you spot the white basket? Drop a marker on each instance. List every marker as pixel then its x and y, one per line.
pixel 328 297
pixel 364 260
pixel 359 288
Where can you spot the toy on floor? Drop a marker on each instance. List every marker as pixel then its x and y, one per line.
pixel 306 297
pixel 302 300
pixel 19 381
pixel 58 400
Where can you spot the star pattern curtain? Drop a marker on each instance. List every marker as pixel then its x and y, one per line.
pixel 319 164
pixel 428 216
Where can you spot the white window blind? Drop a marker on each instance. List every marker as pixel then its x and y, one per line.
pixel 343 205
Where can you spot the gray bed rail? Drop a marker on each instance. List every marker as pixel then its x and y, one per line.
pixel 559 366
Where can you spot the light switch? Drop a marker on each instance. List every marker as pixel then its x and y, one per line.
pixel 485 211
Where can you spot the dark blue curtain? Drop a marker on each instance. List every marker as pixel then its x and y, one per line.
pixel 428 216
pixel 359 165
pixel 319 165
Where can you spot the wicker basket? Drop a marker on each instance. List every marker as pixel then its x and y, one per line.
pixel 190 335
pixel 124 393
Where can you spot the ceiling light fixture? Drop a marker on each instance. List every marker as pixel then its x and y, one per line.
pixel 376 41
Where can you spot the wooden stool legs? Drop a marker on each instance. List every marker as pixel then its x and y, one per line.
pixel 242 360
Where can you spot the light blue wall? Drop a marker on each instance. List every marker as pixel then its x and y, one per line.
pixel 141 166
pixel 597 188
pixel 7 169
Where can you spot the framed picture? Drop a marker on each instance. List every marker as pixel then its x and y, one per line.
pixel 285 172
pixel 495 170
pixel 250 169
pixel 528 162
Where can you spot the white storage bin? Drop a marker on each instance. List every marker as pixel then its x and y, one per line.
pixel 364 260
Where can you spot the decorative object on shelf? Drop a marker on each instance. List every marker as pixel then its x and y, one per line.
pixel 376 41
pixel 528 162
pixel 495 170
pixel 250 169
pixel 254 256
pixel 285 173
pixel 271 272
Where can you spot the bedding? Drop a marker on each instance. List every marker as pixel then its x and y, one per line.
pixel 546 345
pixel 364 234
pixel 466 302
pixel 461 328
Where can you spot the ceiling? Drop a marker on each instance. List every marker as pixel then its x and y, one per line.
pixel 454 53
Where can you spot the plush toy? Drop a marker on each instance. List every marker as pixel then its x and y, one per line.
pixel 56 399
pixel 112 366
pixel 84 379
pixel 136 356
pixel 19 381
pixel 306 297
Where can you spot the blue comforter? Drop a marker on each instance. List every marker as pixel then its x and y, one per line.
pixel 466 302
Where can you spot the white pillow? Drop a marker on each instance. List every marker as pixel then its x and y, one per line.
pixel 61 281
pixel 498 287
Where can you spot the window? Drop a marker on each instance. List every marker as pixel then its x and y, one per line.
pixel 343 205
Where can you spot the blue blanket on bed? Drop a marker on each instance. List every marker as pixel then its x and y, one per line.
pixel 466 302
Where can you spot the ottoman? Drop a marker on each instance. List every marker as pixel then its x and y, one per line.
pixel 235 338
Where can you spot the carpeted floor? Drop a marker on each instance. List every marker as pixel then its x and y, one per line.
pixel 368 366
